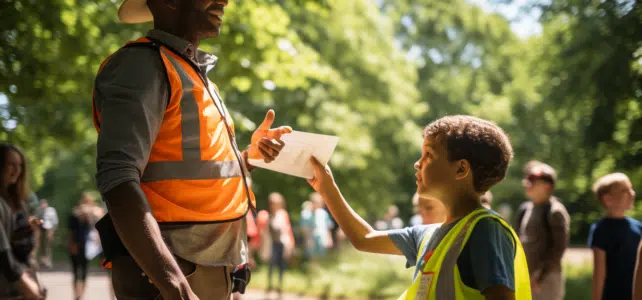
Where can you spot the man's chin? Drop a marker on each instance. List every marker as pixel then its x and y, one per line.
pixel 214 32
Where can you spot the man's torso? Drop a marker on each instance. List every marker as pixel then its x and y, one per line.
pixel 212 244
pixel 535 233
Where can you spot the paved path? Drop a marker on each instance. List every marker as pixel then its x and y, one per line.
pixel 58 281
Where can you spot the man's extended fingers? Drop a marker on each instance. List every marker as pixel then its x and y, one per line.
pixel 272 143
pixel 276 133
pixel 267 122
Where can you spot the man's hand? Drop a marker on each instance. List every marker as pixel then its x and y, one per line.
pixel 323 179
pixel 266 143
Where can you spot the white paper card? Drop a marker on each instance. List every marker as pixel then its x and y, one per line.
pixel 294 158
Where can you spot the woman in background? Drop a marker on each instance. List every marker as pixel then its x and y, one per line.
pixel 281 236
pixel 18 278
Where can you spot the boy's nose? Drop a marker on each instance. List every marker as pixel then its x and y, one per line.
pixel 417 165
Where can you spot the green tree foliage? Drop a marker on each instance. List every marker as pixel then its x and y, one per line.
pixel 372 72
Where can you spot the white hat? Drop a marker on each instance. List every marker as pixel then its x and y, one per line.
pixel 134 11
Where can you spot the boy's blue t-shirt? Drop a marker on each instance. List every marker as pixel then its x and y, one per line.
pixel 487 259
pixel 619 238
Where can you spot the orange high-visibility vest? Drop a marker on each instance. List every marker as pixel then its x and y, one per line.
pixel 193 173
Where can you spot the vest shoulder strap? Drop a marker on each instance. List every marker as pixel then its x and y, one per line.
pixel 146 42
pixel 424 243
pixel 481 216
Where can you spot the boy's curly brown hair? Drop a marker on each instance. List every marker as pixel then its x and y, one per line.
pixel 482 143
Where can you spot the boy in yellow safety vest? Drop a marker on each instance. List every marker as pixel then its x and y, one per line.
pixel 474 254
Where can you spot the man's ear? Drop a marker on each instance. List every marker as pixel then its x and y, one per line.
pixel 463 169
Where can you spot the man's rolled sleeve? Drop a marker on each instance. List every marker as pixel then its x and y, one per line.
pixel 131 95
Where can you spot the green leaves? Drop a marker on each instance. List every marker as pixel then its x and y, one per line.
pixel 372 72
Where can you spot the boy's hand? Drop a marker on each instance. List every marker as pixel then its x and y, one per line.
pixel 323 179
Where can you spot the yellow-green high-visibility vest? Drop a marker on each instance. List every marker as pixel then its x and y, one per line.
pixel 440 279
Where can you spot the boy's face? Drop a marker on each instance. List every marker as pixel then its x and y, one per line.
pixel 431 211
pixel 620 197
pixel 435 173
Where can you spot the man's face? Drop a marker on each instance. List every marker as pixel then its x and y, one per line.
pixel 620 197
pixel 203 17
pixel 434 172
pixel 537 190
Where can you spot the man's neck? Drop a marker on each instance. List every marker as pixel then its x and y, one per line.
pixel 542 201
pixel 193 39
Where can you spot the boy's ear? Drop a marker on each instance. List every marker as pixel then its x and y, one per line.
pixel 463 169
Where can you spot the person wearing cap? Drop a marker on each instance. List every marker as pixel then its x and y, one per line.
pixel 544 230
pixel 167 161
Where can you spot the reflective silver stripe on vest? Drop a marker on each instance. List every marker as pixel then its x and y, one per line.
pixel 445 288
pixel 191 167
pixel 167 170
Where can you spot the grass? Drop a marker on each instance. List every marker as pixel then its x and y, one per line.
pixel 578 281
pixel 356 275
pixel 349 274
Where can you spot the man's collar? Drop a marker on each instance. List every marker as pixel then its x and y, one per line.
pixel 205 60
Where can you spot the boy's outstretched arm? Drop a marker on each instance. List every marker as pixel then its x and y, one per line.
pixel 358 231
pixel 637 276
pixel 599 272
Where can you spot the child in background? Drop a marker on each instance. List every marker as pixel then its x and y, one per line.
pixel 614 239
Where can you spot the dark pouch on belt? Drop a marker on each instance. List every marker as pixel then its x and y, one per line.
pixel 241 278
pixel 110 241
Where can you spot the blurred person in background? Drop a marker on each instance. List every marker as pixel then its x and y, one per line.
pixel 416 218
pixel 83 240
pixel 431 211
pixel 543 225
pixel 614 238
pixel 486 200
pixel 45 235
pixel 18 278
pixel 390 219
pixel 321 234
pixel 281 236
pixel 306 226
